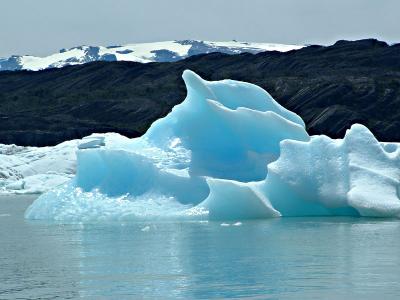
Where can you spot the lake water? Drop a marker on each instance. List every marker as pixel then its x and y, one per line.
pixel 287 258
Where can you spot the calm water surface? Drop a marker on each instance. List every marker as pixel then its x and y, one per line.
pixel 288 258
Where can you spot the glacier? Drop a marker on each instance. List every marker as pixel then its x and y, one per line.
pixel 229 151
pixel 167 51
pixel 34 170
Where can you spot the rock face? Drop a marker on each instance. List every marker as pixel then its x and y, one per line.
pixel 329 87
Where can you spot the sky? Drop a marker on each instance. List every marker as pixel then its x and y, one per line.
pixel 42 27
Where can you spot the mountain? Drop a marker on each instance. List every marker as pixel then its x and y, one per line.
pixel 330 87
pixel 168 51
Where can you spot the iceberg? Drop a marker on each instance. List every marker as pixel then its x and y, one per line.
pixel 229 151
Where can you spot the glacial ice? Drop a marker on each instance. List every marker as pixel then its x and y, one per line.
pixel 34 170
pixel 228 152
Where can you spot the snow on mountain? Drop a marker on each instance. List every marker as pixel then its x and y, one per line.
pixel 143 52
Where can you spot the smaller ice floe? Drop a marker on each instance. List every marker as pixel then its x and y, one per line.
pixel 38 183
pixel 145 228
pixel 35 170
pixel 233 224
pixel 93 141
pixel 18 185
pixel 27 170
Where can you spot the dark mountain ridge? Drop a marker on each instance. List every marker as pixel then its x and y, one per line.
pixel 329 87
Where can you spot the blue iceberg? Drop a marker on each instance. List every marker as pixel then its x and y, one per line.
pixel 228 152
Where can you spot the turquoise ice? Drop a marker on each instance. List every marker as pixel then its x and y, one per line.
pixel 229 151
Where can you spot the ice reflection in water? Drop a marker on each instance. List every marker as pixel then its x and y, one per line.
pixel 288 258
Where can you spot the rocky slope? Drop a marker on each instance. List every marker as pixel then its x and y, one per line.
pixel 329 87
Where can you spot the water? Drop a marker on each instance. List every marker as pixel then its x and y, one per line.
pixel 288 258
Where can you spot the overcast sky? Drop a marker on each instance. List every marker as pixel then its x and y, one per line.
pixel 41 27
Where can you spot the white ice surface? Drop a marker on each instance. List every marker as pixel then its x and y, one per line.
pixel 35 170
